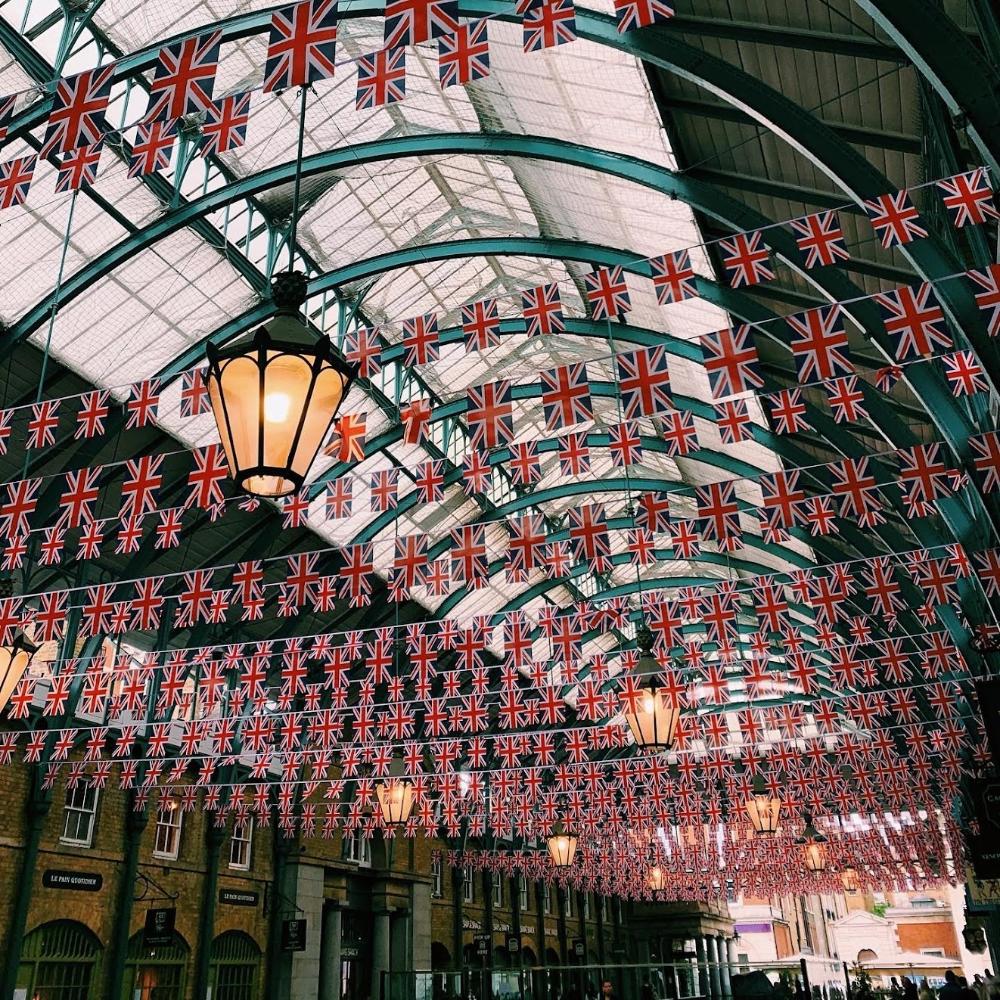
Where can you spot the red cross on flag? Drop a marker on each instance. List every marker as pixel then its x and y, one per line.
pixel 464 54
pixel 731 361
pixel 184 78
pixel 821 239
pixel 915 320
pixel 77 116
pixel 819 345
pixel 420 340
pixel 607 293
pixel 301 45
pixel 987 285
pixel 549 23
pixel 409 22
pixel 641 13
pixel 968 198
pixel 225 125
pixel 566 396
pixel 15 180
pixel 986 460
pixel 673 277
pixel 895 220
pixel 964 373
pixel 154 142
pixel 490 414
pixel 746 259
pixel 644 383
pixel 381 78
pixel 481 325
pixel 79 168
pixel 541 308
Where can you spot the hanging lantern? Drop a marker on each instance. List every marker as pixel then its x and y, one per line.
pixel 396 797
pixel 657 880
pixel 275 394
pixel 653 719
pixel 562 847
pixel 14 656
pixel 813 846
pixel 763 809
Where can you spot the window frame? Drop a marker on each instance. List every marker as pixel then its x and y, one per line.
pixel 77 811
pixel 468 885
pixel 164 820
pixel 238 838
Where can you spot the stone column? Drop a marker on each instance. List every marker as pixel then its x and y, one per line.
pixel 330 953
pixel 725 971
pixel 599 923
pixel 715 982
pixel 380 950
pixel 699 943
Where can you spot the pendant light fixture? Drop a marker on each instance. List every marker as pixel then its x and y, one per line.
pixel 849 878
pixel 653 716
pixel 275 392
pixel 813 845
pixel 657 880
pixel 763 809
pixel 562 847
pixel 15 655
pixel 396 796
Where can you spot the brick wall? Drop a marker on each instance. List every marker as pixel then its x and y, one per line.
pixel 928 934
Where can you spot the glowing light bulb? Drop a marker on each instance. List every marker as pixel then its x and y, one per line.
pixel 276 407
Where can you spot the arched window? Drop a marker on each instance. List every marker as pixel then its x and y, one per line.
pixel 156 973
pixel 60 959
pixel 235 967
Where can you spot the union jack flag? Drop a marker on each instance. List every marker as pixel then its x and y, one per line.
pixel 481 325
pixel 490 415
pixel 194 393
pixel 894 219
pixel 566 396
pixel 588 533
pixel 464 54
pixel 409 22
pixel 733 420
pixel 731 361
pixel 641 13
pixel 77 115
pixel 718 511
pixel 15 180
pixel 788 412
pixel 625 444
pixel 679 433
pixel 820 349
pixel 363 348
pixel 184 78
pixel 381 78
pixel 846 399
pixel 644 382
pixel 821 239
pixel 574 454
pixel 384 490
pixel 914 318
pixel 968 198
pixel 302 45
pixel 225 128
pixel 746 260
pixel 542 310
pixel 154 143
pixel 987 459
pixel 988 299
pixel 549 23
pixel 420 340
pixel 79 168
pixel 607 293
pixel 673 277
pixel 525 465
pixel 964 373
pixel 6 115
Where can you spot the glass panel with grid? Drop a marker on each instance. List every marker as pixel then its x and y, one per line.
pixel 241 845
pixel 79 814
pixel 167 842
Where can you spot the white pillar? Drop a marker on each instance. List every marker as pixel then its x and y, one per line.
pixel 330 954
pixel 699 944
pixel 713 967
pixel 724 967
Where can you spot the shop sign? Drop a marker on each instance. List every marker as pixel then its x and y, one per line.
pixel 237 897
pixel 58 878
pixel 293 935
pixel 159 927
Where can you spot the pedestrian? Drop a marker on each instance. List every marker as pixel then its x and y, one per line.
pixel 909 989
pixel 951 990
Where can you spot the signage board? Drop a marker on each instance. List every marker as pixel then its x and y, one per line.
pixel 579 948
pixel 293 935
pixel 159 927
pixel 483 945
pixel 238 897
pixel 59 878
pixel 513 945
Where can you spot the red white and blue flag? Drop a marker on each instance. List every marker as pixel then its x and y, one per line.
pixel 154 142
pixel 302 45
pixel 968 198
pixel 731 361
pixel 409 22
pixel 184 78
pixel 549 23
pixel 420 340
pixel 381 78
pixel 363 349
pixel 607 293
pixel 194 393
pixel 915 320
pixel 481 325
pixel 821 238
pixel 464 54
pixel 733 420
pixel 987 283
pixel 78 168
pixel 641 13
pixel 542 310
pixel 566 396
pixel 819 346
pixel 644 382
pixel 746 259
pixel 77 116
pixel 673 277
pixel 6 114
pixel 895 219
pixel 225 127
pixel 15 180
pixel 490 415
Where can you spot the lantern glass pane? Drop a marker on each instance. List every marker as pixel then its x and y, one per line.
pixel 815 856
pixel 395 801
pixel 654 721
pixel 327 395
pixel 764 813
pixel 562 848
pixel 13 663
